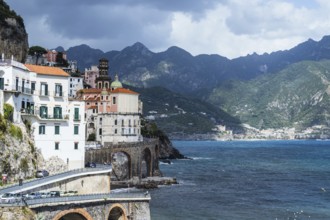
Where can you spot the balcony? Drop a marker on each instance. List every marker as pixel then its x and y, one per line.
pixel 36 113
pixel 21 89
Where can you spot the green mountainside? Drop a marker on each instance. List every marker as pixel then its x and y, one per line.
pixel 297 96
pixel 180 116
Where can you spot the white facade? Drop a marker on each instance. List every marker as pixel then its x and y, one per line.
pixel 91 75
pixel 118 127
pixel 75 84
pixel 16 83
pixel 58 124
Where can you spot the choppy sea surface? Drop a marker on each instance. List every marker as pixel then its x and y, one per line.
pixel 246 180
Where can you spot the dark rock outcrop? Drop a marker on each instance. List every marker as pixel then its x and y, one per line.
pixel 13 36
pixel 166 150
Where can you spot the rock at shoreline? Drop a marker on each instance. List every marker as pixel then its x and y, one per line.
pixel 166 150
pixel 154 182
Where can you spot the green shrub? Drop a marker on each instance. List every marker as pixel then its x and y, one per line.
pixel 8 111
pixel 16 132
pixel 91 137
pixel 3 124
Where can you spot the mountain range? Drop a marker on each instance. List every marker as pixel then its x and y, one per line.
pixel 281 89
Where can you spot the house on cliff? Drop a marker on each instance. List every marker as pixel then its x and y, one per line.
pixel 39 95
pixel 112 114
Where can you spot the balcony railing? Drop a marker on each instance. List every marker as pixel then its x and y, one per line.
pixel 44 116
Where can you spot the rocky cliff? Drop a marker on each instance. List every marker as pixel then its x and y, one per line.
pixel 13 36
pixel 18 156
pixel 166 150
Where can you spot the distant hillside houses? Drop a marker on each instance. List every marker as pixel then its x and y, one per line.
pixel 62 122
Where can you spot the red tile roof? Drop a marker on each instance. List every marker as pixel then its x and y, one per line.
pixel 123 90
pixel 47 70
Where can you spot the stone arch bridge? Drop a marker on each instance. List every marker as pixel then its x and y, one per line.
pixel 129 160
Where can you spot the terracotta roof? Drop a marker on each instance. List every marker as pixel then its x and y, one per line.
pixel 123 90
pixel 92 90
pixel 46 70
pixel 118 90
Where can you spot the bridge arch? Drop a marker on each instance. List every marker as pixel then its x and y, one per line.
pixel 146 163
pixel 117 212
pixel 68 214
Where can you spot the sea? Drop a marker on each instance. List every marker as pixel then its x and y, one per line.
pixel 246 180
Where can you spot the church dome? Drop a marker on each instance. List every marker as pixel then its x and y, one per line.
pixel 116 84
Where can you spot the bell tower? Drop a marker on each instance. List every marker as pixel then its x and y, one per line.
pixel 104 80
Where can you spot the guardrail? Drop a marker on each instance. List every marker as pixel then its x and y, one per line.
pixel 28 185
pixel 80 199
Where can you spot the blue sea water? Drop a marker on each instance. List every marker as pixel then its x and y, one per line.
pixel 246 180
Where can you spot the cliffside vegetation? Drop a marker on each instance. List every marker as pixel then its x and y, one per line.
pixel 18 156
pixel 180 116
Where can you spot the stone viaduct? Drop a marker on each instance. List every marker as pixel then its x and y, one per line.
pixel 128 160
pixel 96 210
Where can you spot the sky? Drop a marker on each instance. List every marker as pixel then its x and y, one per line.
pixel 229 28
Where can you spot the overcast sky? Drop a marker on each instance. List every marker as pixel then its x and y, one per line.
pixel 230 28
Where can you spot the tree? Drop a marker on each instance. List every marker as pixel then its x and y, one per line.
pixel 60 61
pixel 37 51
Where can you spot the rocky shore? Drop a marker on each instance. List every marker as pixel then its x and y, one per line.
pixel 146 183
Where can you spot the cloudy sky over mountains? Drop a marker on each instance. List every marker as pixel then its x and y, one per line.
pixel 229 28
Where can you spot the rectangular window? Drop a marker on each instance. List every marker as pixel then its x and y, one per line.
pixel 76 114
pixel 17 84
pixel 2 83
pixel 57 129
pixel 115 131
pixel 23 85
pixel 114 100
pixel 100 131
pixel 76 145
pixel 44 89
pixel 42 129
pixel 57 145
pixel 57 112
pixel 58 90
pixel 76 129
pixel 33 87
pixel 43 112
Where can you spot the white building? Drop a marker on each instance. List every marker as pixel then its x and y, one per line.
pixel 91 75
pixel 75 84
pixel 113 115
pixel 39 94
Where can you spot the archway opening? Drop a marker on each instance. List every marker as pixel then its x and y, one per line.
pixel 73 216
pixel 146 163
pixel 121 166
pixel 117 214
